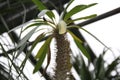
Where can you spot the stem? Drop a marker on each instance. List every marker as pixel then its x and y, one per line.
pixel 63 67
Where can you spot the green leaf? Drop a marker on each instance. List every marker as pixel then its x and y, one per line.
pixel 84 71
pixel 40 37
pixel 51 15
pixel 35 24
pixel 86 17
pixel 39 4
pixel 71 1
pixel 77 9
pixel 21 49
pixel 24 40
pixel 112 66
pixel 74 26
pixel 44 48
pixel 42 7
pixel 99 68
pixel 39 63
pixel 75 37
pixel 64 12
pixel 80 46
pixel 48 59
pixel 41 54
pixel 94 37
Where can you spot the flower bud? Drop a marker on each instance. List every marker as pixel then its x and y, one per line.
pixel 62 27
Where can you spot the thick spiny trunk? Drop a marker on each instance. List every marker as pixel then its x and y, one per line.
pixel 63 58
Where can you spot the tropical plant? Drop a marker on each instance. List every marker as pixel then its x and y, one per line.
pixel 60 30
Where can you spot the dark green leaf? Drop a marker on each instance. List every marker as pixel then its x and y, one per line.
pixel 83 50
pixel 80 46
pixel 99 68
pixel 74 10
pixel 112 66
pixel 69 4
pixel 39 63
pixel 86 17
pixel 44 48
pixel 51 15
pixel 42 7
pixel 84 71
pixel 64 12
pixel 39 4
pixel 75 37
pixel 41 54
pixel 48 60
pixel 77 9
pixel 40 37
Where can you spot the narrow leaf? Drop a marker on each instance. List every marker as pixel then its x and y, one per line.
pixel 40 37
pixel 39 63
pixel 24 40
pixel 83 49
pixel 74 10
pixel 41 54
pixel 90 5
pixel 42 7
pixel 94 37
pixel 99 67
pixel 21 49
pixel 112 66
pixel 82 18
pixel 39 4
pixel 69 4
pixel 84 71
pixel 80 46
pixel 77 9
pixel 64 12
pixel 48 60
pixel 75 37
pixel 44 48
pixel 35 24
pixel 31 49
pixel 74 26
pixel 51 15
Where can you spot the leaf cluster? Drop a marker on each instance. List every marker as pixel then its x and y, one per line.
pixel 99 69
